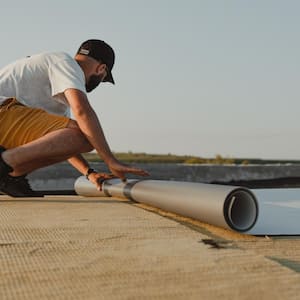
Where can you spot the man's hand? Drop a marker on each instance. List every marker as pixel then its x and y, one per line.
pixel 120 169
pixel 98 178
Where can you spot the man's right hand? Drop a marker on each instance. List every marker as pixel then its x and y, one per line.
pixel 99 178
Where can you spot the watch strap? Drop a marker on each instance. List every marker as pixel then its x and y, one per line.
pixel 88 172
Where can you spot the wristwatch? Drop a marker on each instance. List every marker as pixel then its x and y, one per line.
pixel 88 172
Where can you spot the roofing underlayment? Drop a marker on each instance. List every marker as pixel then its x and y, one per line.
pixel 71 247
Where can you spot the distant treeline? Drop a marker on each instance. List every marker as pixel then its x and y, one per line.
pixel 131 157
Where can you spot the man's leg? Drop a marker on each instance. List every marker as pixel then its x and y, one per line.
pixel 38 154
pixel 31 139
pixel 52 148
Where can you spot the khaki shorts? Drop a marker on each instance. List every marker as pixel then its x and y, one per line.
pixel 20 124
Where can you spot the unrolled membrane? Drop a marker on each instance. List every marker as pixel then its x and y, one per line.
pixel 226 206
pixel 279 211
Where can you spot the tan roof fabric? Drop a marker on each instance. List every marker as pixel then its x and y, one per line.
pixel 104 248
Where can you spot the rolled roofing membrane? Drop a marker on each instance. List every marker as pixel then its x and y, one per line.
pixel 226 206
pixel 221 205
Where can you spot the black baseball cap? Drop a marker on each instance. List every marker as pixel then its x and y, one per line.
pixel 100 51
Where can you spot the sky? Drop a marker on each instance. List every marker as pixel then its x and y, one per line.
pixel 192 77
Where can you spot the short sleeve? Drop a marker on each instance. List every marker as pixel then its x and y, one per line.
pixel 66 74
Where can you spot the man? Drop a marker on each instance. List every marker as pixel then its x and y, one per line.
pixel 36 95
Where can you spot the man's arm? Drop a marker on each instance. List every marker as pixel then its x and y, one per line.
pixel 79 163
pixel 89 124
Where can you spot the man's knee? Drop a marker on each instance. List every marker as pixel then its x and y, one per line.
pixel 86 146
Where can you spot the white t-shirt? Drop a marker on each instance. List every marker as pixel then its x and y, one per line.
pixel 40 81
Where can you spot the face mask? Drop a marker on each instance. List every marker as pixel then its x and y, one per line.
pixel 92 83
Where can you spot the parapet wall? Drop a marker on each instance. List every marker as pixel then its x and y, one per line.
pixel 62 176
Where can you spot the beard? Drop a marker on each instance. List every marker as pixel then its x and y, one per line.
pixel 92 83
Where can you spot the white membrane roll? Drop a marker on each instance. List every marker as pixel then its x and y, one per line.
pixel 226 206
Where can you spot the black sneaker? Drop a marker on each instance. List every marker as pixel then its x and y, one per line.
pixel 5 169
pixel 18 186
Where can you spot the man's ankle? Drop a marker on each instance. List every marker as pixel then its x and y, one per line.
pixel 5 168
